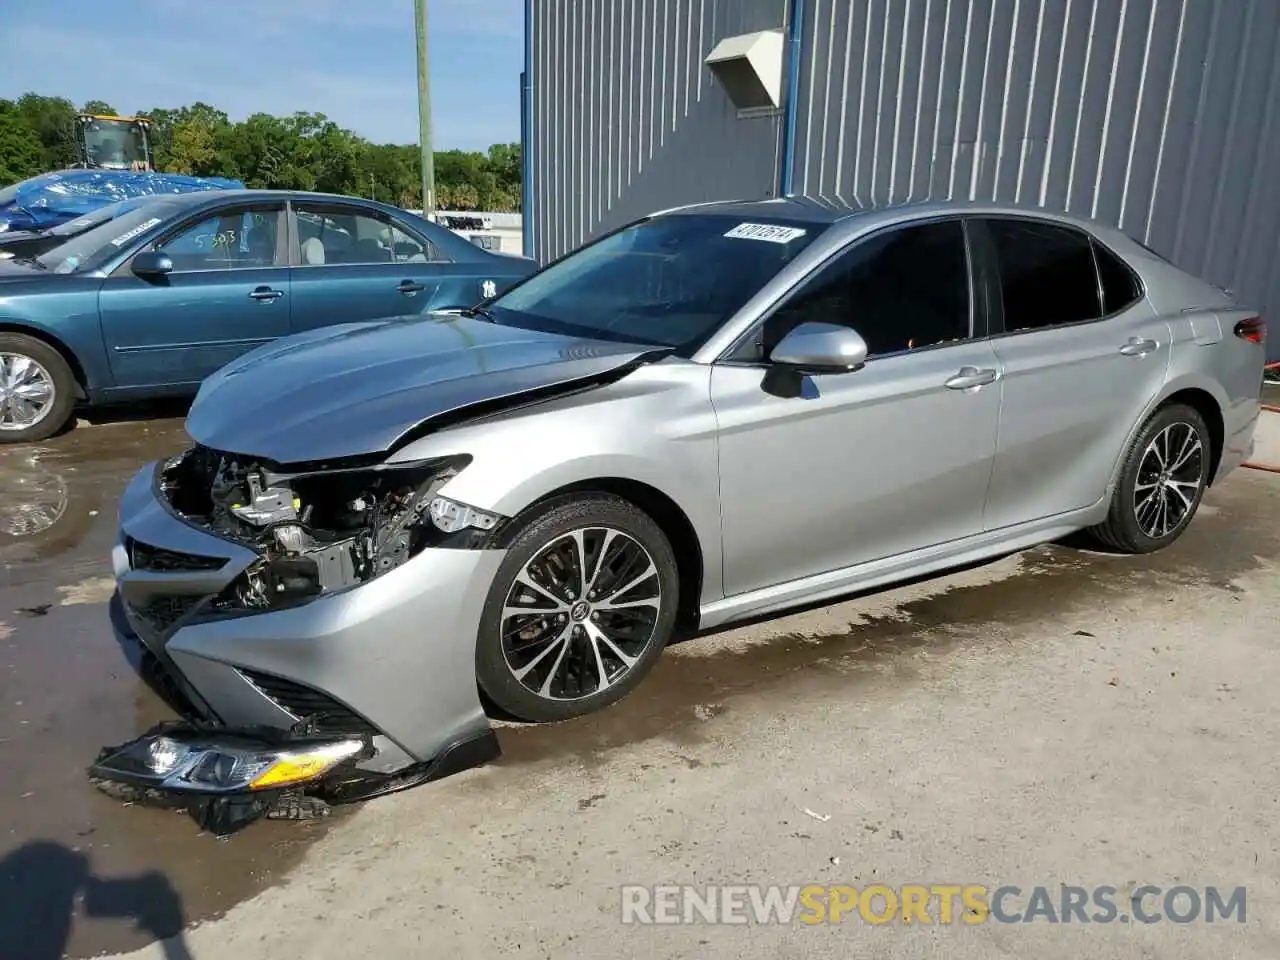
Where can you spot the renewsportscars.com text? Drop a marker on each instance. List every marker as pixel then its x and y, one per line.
pixel 930 904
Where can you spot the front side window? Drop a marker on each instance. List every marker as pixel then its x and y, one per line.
pixel 669 281
pixel 1047 274
pixel 235 238
pixel 903 289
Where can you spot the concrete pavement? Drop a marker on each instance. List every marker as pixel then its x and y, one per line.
pixel 1062 717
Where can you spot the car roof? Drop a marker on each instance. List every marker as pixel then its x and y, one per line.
pixel 822 210
pixel 457 247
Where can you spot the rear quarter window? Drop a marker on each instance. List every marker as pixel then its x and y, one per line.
pixel 1121 287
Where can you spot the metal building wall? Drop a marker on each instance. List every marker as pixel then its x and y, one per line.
pixel 1162 116
pixel 626 119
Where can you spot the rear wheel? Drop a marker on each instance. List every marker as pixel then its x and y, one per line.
pixel 1161 482
pixel 37 389
pixel 580 610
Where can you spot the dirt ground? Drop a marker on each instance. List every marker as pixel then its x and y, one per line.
pixel 1058 717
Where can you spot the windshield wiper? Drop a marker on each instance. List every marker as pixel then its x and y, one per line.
pixel 482 312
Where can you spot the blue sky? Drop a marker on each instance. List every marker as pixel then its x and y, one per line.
pixel 352 60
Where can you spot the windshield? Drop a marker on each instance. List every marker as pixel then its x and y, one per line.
pixel 115 144
pixel 93 248
pixel 95 217
pixel 670 281
pixel 7 194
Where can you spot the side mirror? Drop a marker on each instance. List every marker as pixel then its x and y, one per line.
pixel 821 348
pixel 152 263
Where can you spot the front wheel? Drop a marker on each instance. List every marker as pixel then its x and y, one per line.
pixel 37 389
pixel 579 611
pixel 1161 482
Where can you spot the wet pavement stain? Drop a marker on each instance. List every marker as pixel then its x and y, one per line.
pixel 77 867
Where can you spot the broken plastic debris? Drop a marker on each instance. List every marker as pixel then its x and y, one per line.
pixel 817 816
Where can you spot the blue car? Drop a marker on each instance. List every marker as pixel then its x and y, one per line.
pixel 154 300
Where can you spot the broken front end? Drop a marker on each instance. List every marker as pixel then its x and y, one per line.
pixel 315 624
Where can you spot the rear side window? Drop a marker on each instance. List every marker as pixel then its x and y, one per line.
pixel 1120 287
pixel 1047 274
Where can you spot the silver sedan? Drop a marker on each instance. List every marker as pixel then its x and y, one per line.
pixel 713 413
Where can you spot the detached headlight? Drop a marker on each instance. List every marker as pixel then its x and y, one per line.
pixel 450 516
pixel 222 763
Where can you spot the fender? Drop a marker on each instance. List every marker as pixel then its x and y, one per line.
pixel 1186 381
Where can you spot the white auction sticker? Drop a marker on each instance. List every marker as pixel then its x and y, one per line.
pixel 768 232
pixel 128 235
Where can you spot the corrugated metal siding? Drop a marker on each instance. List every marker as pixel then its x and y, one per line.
pixel 1161 116
pixel 627 118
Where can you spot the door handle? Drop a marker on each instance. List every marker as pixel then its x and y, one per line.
pixel 409 287
pixel 970 377
pixel 266 294
pixel 1138 347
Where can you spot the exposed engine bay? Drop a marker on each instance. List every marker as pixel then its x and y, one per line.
pixel 317 531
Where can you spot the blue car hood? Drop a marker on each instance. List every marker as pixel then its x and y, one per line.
pixel 366 388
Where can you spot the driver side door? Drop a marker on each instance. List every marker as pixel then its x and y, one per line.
pixel 227 293
pixel 823 472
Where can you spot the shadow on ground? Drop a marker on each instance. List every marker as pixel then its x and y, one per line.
pixel 44 884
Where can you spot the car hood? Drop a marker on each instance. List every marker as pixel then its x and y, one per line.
pixel 367 388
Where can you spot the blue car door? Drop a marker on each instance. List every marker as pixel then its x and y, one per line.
pixel 357 263
pixel 228 293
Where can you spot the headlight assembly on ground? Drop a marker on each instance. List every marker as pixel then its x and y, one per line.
pixel 221 763
pixel 227 779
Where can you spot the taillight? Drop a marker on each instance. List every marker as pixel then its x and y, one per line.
pixel 1253 329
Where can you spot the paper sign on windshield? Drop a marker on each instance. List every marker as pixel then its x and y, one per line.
pixel 768 232
pixel 128 235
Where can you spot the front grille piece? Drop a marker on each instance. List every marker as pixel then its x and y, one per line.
pixel 304 703
pixel 164 610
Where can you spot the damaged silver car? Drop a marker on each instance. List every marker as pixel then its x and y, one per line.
pixel 386 530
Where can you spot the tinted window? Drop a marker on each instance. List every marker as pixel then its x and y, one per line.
pixel 1046 274
pixel 1120 287
pixel 229 239
pixel 902 290
pixel 670 281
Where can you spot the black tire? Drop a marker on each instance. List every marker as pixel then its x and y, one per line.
pixel 1123 530
pixel 64 385
pixel 546 533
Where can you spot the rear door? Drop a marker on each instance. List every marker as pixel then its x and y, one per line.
pixel 356 263
pixel 228 293
pixel 1083 355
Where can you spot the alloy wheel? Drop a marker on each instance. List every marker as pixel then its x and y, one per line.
pixel 27 392
pixel 1170 475
pixel 580 613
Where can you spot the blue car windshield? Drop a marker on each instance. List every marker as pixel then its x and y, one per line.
pixel 92 249
pixel 670 281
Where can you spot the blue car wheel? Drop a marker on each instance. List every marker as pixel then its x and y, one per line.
pixel 37 389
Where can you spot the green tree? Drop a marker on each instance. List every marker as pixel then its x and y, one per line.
pixel 54 121
pixel 20 153
pixel 305 151
pixel 99 108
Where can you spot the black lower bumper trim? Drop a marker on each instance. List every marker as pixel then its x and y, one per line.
pixel 460 756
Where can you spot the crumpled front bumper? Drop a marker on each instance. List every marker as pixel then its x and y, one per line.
pixel 391 661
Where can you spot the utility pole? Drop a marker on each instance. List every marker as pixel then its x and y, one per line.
pixel 424 112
